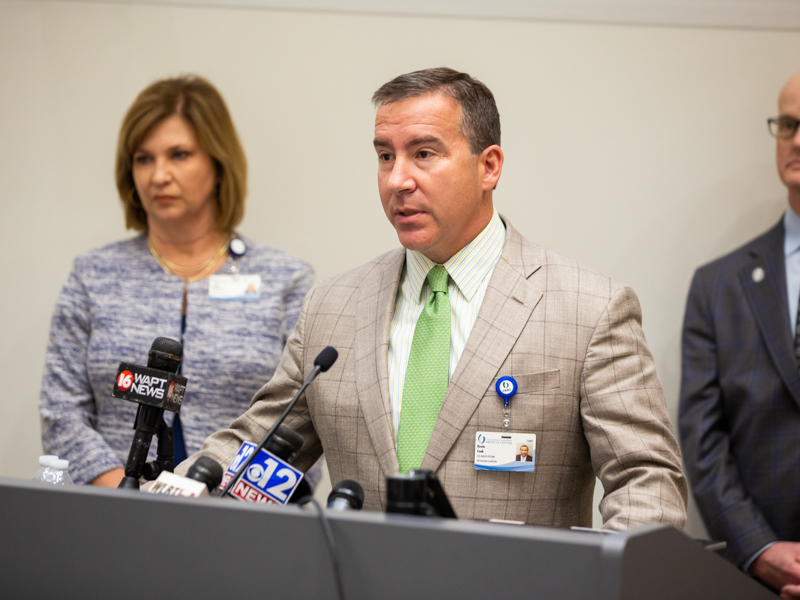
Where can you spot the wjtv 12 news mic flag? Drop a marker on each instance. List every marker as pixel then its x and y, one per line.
pixel 267 479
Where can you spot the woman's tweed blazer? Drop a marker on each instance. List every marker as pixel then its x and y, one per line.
pixel 116 301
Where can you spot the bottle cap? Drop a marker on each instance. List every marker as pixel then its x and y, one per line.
pixel 62 464
pixel 46 459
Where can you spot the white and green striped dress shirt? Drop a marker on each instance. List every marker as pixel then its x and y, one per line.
pixel 470 270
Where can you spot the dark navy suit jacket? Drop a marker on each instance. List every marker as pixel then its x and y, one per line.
pixel 740 399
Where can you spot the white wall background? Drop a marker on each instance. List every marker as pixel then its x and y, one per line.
pixel 639 150
pixel 774 14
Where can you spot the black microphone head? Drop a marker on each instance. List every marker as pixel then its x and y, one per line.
pixel 206 470
pixel 285 443
pixel 301 492
pixel 165 354
pixel 349 490
pixel 406 492
pixel 418 492
pixel 326 358
pixel 168 345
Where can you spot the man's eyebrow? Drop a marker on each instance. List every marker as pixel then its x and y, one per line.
pixel 428 139
pixel 420 141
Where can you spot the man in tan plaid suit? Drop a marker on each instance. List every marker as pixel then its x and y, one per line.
pixel 569 336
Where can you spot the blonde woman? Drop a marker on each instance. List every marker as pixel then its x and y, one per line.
pixel 181 174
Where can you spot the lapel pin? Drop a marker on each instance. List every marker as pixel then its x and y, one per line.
pixel 758 274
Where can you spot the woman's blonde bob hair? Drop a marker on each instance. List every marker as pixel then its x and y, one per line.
pixel 199 102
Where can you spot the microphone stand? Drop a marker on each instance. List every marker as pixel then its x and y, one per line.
pixel 148 423
pixel 165 452
pixel 136 467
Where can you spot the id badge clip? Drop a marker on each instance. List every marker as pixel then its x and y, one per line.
pixel 236 249
pixel 506 388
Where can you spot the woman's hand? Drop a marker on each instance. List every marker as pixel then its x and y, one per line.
pixel 109 478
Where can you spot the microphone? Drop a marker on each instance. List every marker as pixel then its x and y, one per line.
pixel 284 445
pixel 418 492
pixel 156 385
pixel 322 363
pixel 207 471
pixel 324 360
pixel 346 495
pixel 155 388
pixel 202 478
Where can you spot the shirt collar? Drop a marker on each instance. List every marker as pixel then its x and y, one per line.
pixel 468 267
pixel 791 226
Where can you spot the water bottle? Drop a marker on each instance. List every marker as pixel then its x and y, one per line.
pixel 57 473
pixel 44 462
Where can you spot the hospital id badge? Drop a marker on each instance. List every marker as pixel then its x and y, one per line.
pixel 234 287
pixel 502 451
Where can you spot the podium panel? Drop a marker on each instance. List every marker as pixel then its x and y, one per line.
pixel 85 542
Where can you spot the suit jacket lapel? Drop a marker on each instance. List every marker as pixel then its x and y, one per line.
pixel 377 295
pixel 767 298
pixel 507 306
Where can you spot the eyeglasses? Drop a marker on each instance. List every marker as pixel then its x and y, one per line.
pixel 783 128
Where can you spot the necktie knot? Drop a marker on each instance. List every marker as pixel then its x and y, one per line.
pixel 438 278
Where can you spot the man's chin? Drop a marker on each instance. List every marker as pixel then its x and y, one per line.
pixel 414 241
pixel 792 181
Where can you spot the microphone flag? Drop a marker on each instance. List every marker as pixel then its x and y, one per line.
pixel 148 386
pixel 267 480
pixel 175 485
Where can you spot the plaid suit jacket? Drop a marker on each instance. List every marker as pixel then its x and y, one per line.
pixel 740 399
pixel 588 389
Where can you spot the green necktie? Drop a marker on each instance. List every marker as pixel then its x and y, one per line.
pixel 428 374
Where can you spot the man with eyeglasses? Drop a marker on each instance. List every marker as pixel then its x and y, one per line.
pixel 740 392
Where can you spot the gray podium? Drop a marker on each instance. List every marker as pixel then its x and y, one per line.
pixel 82 542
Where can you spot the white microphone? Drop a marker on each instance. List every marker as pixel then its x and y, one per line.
pixel 203 476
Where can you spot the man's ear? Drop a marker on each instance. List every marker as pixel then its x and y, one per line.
pixel 491 162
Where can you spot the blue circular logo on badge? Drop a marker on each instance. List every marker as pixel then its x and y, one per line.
pixel 506 387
